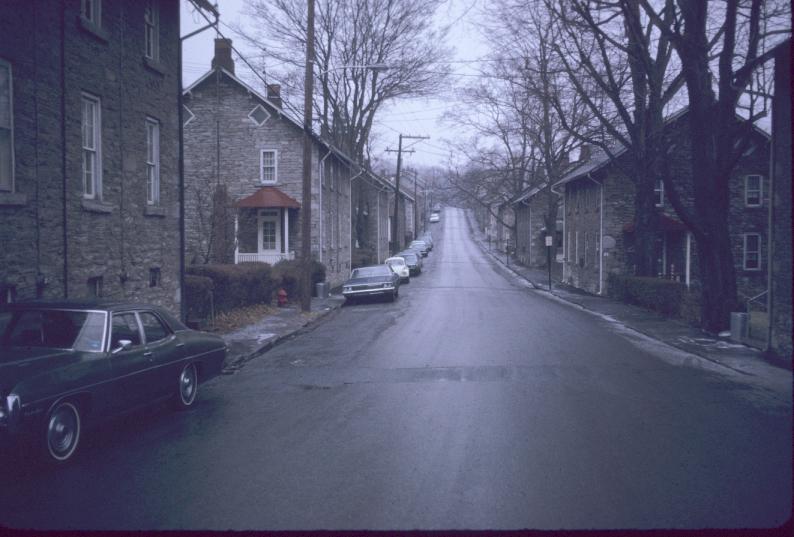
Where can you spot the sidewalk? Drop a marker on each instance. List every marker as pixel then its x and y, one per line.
pixel 255 339
pixel 740 358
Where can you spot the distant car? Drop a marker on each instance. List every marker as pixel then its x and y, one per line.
pixel 434 218
pixel 422 246
pixel 413 260
pixel 66 365
pixel 373 280
pixel 398 265
pixel 427 238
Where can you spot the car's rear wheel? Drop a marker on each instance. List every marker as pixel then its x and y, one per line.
pixel 62 434
pixel 188 387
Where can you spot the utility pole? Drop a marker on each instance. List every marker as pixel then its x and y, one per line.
pixel 395 227
pixel 306 206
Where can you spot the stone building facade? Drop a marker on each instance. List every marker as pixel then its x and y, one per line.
pixel 598 222
pixel 530 210
pixel 780 270
pixel 89 148
pixel 243 178
pixel 370 213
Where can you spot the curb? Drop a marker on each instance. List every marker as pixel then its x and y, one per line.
pixel 233 365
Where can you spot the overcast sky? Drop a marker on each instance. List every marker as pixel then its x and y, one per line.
pixel 415 117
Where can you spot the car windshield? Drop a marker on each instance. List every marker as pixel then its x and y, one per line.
pixel 409 257
pixel 396 261
pixel 58 329
pixel 369 272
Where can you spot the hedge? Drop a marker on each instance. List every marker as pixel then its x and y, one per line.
pixel 234 286
pixel 198 296
pixel 670 298
pixel 287 274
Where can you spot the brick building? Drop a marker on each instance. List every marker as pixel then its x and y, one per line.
pixel 89 142
pixel 243 177
pixel 779 298
pixel 598 218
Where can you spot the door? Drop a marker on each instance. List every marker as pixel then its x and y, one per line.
pixel 132 368
pixel 163 351
pixel 269 232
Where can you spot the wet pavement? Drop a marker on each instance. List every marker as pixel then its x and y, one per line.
pixel 475 401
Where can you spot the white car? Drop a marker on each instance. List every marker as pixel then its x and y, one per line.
pixel 434 218
pixel 399 266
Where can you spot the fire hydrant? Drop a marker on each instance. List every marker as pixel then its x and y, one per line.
pixel 282 297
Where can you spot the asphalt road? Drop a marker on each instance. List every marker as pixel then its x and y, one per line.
pixel 471 402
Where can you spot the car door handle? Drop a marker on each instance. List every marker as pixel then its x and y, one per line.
pixel 180 345
pixel 148 355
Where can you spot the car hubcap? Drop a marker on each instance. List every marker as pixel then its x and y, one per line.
pixel 63 431
pixel 187 384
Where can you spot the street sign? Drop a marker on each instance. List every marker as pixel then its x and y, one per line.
pixel 549 240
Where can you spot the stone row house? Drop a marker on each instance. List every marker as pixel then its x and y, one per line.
pixel 598 218
pixel 89 150
pixel 243 162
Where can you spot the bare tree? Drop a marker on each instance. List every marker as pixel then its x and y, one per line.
pixel 721 47
pixel 350 34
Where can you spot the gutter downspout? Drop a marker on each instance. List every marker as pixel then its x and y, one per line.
pixel 770 235
pixel 565 244
pixel 350 211
pixel 600 235
pixel 321 167
pixel 64 189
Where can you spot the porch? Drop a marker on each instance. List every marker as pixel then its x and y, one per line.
pixel 262 227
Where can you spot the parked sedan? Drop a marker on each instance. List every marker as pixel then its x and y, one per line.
pixel 422 246
pixel 398 265
pixel 413 260
pixel 66 365
pixel 372 281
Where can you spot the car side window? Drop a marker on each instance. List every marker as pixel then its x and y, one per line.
pixel 124 326
pixel 153 328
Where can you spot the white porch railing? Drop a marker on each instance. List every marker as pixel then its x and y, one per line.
pixel 272 259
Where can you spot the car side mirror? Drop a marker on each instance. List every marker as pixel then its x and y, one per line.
pixel 124 344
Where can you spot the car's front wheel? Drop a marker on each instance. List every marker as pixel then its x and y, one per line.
pixel 62 434
pixel 188 387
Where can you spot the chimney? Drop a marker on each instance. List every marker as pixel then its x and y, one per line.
pixel 274 94
pixel 223 55
pixel 584 152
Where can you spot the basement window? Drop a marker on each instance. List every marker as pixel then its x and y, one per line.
pixel 154 277
pixel 95 287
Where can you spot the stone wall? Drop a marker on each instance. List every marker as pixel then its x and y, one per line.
pixel 116 236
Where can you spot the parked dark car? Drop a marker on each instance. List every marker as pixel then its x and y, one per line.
pixel 422 246
pixel 370 281
pixel 413 260
pixel 66 365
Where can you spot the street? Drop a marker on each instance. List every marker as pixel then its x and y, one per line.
pixel 471 402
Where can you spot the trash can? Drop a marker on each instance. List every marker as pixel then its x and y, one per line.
pixel 740 323
pixel 321 289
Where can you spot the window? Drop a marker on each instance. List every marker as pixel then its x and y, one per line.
pixel 154 277
pixel 92 148
pixel 752 251
pixel 658 193
pixel 6 129
pixel 151 22
pixel 124 326
pixel 152 161
pixel 188 116
pixel 586 247
pixel 570 246
pixel 95 287
pixel 268 166
pixel 91 10
pixel 8 294
pixel 259 115
pixel 753 191
pixel 153 328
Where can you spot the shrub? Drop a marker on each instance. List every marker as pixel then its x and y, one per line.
pixel 287 275
pixel 235 286
pixel 198 296
pixel 667 297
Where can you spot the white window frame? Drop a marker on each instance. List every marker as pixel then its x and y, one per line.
pixel 152 162
pixel 151 31
pixel 760 190
pixel 96 180
pixel 262 166
pixel 253 119
pixel 658 193
pixel 92 14
pixel 10 186
pixel 745 251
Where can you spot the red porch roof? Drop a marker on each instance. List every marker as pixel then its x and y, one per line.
pixel 268 197
pixel 666 223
